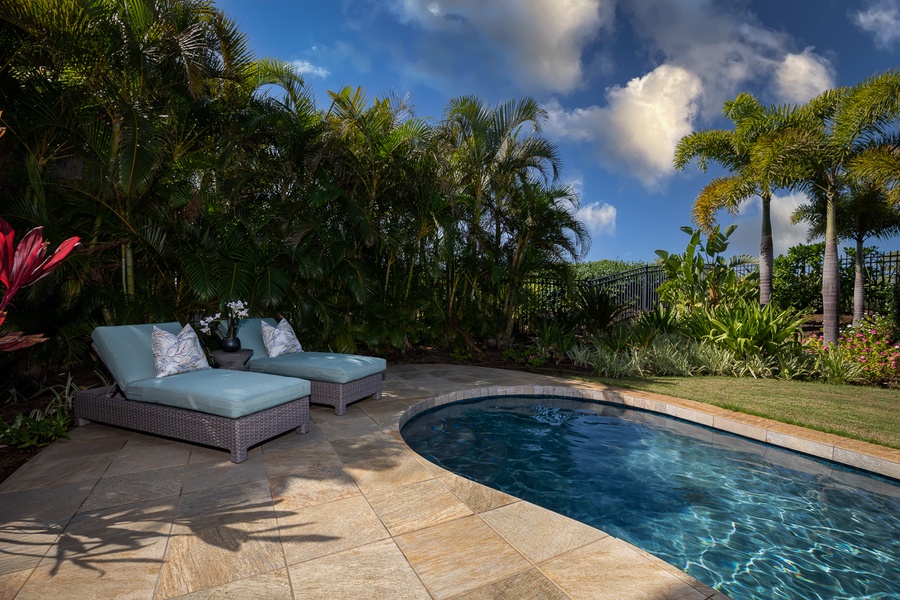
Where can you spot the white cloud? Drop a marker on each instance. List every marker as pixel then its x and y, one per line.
pixel 746 239
pixel 304 67
pixel 539 42
pixel 598 217
pixel 882 20
pixel 706 54
pixel 801 77
pixel 728 49
pixel 639 128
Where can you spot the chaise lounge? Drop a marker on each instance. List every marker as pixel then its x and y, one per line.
pixel 233 410
pixel 335 379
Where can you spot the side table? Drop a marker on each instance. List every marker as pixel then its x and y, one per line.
pixel 233 361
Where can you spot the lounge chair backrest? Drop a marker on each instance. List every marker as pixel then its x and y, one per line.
pixel 127 352
pixel 250 334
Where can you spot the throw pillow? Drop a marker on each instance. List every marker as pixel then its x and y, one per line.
pixel 280 339
pixel 174 354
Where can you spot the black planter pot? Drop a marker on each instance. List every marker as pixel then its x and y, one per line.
pixel 231 344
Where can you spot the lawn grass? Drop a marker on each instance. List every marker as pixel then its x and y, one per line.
pixel 863 413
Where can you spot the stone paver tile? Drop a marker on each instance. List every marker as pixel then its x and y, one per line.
pixel 538 533
pixel 386 413
pixel 97 431
pixel 416 506
pixel 374 476
pixel 242 503
pixel 28 548
pixel 115 538
pixel 136 582
pixel 80 447
pixel 611 569
pixel 349 428
pixel 112 554
pixel 321 413
pixel 50 474
pixel 378 462
pixel 197 559
pixel 480 498
pixel 298 459
pixel 377 570
pixel 203 454
pixel 145 453
pixel 862 460
pixel 528 585
pixel 311 439
pixel 45 503
pixel 317 486
pixel 135 487
pixel 459 556
pixel 11 583
pixel 275 585
pixel 32 520
pixel 212 474
pixel 329 528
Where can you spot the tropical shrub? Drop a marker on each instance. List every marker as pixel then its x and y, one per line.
pixel 701 276
pixel 593 309
pixel 746 328
pixel 554 339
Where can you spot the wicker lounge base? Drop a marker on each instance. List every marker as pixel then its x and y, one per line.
pixel 339 395
pixel 236 435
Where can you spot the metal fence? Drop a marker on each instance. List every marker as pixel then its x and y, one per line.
pixel 635 289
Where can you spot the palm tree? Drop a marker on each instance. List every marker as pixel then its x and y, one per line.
pixel 492 151
pixel 862 212
pixel 541 235
pixel 816 151
pixel 734 151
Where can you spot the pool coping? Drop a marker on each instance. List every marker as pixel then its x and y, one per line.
pixel 879 460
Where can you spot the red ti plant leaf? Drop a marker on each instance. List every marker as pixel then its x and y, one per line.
pixel 16 340
pixel 28 263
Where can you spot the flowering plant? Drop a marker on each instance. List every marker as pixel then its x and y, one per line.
pixel 869 344
pixel 234 312
pixel 21 266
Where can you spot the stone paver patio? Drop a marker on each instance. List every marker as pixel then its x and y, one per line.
pixel 346 511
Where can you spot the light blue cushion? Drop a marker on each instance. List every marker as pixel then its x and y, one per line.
pixel 127 352
pixel 320 366
pixel 230 394
pixel 250 334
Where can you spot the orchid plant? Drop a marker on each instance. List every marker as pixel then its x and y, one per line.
pixel 234 312
pixel 21 267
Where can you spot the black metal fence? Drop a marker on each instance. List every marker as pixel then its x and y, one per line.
pixel 635 289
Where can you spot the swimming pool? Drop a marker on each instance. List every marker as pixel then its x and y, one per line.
pixel 749 519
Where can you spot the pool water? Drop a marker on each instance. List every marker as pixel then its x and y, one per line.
pixel 749 519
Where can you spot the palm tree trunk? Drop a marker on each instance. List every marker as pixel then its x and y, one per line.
pixel 766 251
pixel 831 280
pixel 859 282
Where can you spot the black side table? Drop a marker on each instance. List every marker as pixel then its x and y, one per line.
pixel 233 361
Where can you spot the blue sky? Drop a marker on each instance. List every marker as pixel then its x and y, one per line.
pixel 622 80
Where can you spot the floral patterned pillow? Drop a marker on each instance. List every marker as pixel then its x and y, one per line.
pixel 280 339
pixel 174 354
